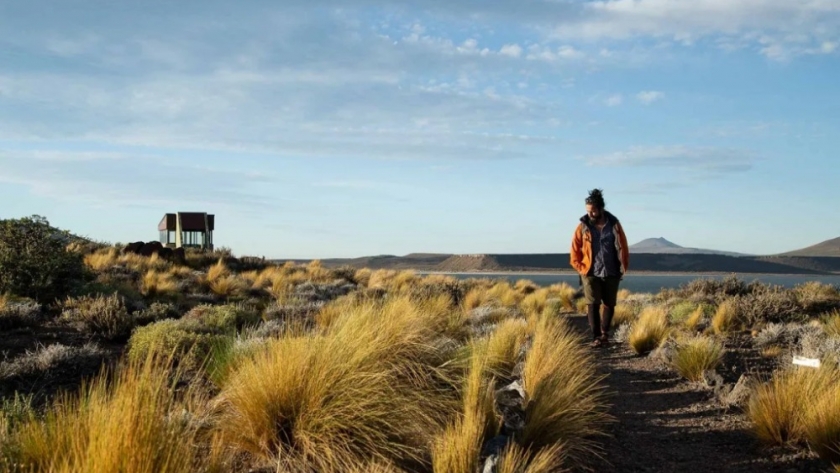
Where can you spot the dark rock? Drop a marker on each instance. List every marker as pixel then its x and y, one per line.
pixel 179 256
pixel 133 247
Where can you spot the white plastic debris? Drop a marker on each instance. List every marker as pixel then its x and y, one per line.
pixel 809 362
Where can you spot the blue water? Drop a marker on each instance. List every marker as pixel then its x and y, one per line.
pixel 653 283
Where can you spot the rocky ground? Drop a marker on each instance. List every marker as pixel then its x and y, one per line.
pixel 667 424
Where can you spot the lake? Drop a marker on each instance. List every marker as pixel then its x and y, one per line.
pixel 653 283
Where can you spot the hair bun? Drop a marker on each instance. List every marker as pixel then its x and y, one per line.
pixel 596 198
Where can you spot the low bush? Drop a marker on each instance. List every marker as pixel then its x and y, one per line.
pixel 771 304
pixel 223 318
pixel 35 261
pixel 157 311
pixel 46 358
pixel 19 313
pixel 189 343
pixel 105 316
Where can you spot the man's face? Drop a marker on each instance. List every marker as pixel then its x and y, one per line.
pixel 593 212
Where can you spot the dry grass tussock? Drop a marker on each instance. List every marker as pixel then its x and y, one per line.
pixel 362 390
pixel 515 459
pixel 695 355
pixel 505 344
pixel 129 422
pixel 457 448
pixel 789 406
pixel 831 323
pixel 565 403
pixel 726 317
pixel 110 257
pixel 649 330
pixel 158 283
pixel 623 314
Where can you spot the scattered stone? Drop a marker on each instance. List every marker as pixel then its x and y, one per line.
pixel 737 394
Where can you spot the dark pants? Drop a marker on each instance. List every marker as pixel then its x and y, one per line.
pixel 598 291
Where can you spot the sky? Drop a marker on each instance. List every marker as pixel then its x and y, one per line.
pixel 321 128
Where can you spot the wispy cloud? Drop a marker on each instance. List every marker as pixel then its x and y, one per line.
pixel 614 100
pixel 647 97
pixel 706 161
pixel 117 179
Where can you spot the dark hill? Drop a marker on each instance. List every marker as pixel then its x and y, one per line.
pixel 828 248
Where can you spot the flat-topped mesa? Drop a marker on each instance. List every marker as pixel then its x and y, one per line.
pixel 470 262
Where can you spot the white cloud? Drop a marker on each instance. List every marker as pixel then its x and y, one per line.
pixel 647 97
pixel 614 100
pixel 792 27
pixel 512 50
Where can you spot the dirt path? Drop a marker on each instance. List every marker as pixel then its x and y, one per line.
pixel 666 424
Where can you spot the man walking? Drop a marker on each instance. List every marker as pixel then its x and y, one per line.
pixel 601 256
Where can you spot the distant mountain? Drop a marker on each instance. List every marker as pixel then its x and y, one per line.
pixel 824 249
pixel 662 246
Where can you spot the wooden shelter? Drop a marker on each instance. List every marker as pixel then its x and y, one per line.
pixel 187 230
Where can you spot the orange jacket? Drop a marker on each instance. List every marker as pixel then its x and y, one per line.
pixel 581 254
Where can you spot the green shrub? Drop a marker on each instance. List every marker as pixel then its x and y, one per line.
pixel 681 311
pixel 35 261
pixel 105 316
pixel 770 304
pixel 225 318
pixel 187 341
pixel 156 312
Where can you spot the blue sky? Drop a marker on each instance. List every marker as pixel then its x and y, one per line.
pixel 339 129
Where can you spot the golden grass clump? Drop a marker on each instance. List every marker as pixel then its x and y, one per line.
pixel 565 401
pixel 101 260
pixel 504 345
pixel 623 314
pixel 623 294
pixel 157 283
pixel 365 389
pixel 726 317
pixel 831 323
pixel 536 301
pixel 128 422
pixel 565 293
pixel 772 351
pixel 695 318
pixel 821 424
pixel 515 459
pixel 362 276
pixel 457 448
pixel 503 294
pixel 695 355
pixel 474 299
pixel 649 330
pixel 778 409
